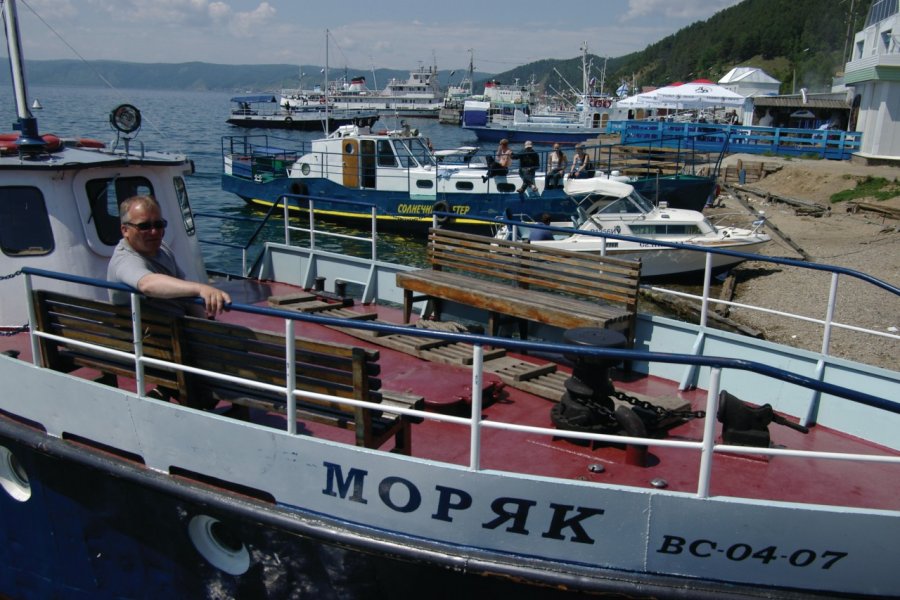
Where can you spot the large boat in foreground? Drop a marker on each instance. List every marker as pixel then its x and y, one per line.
pixel 437 468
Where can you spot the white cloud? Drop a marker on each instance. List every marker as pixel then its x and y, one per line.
pixel 252 23
pixel 677 9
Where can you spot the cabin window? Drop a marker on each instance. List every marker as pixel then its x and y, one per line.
pixel 104 197
pixel 386 157
pixel 668 229
pixel 464 186
pixel 184 205
pixel 24 223
pixel 506 187
pixel 425 184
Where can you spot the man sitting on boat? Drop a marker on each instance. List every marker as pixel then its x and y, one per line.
pixel 529 161
pixel 145 262
pixel 582 167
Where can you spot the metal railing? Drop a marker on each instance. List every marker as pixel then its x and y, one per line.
pixel 707 446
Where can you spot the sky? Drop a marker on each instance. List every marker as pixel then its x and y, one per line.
pixel 397 34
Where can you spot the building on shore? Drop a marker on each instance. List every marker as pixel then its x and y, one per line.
pixel 873 71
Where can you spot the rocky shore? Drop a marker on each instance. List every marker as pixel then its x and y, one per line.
pixel 862 240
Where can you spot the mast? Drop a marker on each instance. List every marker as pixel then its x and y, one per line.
pixel 29 139
pixel 327 129
pixel 471 71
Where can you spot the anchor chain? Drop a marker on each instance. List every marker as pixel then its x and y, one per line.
pixel 11 275
pixel 660 412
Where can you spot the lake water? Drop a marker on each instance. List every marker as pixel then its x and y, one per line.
pixel 194 123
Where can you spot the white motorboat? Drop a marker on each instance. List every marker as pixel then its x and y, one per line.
pixel 619 221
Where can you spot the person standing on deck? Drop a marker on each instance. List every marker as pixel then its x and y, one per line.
pixel 529 161
pixel 145 262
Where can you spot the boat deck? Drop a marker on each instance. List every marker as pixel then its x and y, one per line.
pixel 447 389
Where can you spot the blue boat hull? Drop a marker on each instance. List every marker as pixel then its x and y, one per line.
pixel 398 210
pixel 544 137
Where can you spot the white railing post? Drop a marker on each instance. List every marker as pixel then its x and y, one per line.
pixel 691 370
pixel 32 323
pixel 374 212
pixel 287 222
pixel 475 423
pixel 290 375
pixel 138 334
pixel 709 432
pixel 813 410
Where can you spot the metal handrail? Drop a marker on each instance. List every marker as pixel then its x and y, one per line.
pixel 707 445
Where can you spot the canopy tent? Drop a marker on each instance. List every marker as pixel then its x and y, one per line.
pixel 696 94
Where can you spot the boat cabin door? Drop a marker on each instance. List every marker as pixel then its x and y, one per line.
pixel 350 162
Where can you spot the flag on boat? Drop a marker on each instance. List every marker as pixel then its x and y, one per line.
pixel 622 90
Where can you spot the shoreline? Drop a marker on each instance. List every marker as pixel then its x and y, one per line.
pixel 862 241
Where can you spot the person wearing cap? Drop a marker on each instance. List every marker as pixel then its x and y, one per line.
pixel 529 161
pixel 557 161
pixel 501 162
pixel 582 167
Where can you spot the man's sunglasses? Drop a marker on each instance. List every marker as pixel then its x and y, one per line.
pixel 148 225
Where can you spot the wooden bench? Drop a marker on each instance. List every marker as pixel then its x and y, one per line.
pixel 110 326
pixel 528 282
pixel 322 367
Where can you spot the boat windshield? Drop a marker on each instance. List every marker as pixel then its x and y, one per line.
pixel 413 152
pixel 632 203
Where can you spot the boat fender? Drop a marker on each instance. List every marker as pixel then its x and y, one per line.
pixel 288 120
pixel 441 206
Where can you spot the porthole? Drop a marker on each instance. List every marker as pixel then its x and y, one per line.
pixel 13 477
pixel 218 545
pixel 425 184
pixel 304 168
pixel 348 148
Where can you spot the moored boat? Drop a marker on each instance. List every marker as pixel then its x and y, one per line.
pixel 436 466
pixel 264 111
pixel 394 171
pixel 615 209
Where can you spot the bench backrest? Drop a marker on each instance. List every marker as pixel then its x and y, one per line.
pixel 108 325
pixel 534 266
pixel 238 351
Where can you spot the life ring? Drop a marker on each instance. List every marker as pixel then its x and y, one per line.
pixel 440 206
pixel 322 100
pixel 89 143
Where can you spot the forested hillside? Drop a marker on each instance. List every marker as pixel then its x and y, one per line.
pixel 780 36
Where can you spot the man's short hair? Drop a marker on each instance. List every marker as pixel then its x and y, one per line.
pixel 128 203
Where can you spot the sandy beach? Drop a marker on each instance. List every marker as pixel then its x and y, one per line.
pixel 863 241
